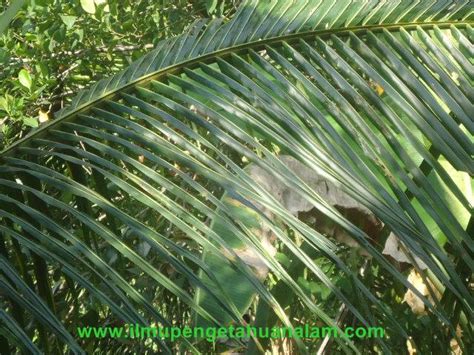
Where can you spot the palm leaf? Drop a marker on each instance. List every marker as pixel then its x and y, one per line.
pixel 142 190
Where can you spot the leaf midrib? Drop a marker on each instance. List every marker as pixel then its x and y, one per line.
pixel 222 52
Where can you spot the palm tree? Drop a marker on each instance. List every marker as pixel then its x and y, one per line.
pixel 290 166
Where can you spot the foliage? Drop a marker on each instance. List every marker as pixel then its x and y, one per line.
pixel 52 49
pixel 358 119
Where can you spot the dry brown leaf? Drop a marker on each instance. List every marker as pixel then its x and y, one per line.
pixel 415 303
pixel 393 249
pixel 454 345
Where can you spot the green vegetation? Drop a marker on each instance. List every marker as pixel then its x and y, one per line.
pixel 53 49
pixel 275 165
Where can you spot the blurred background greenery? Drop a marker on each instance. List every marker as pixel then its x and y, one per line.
pixel 53 48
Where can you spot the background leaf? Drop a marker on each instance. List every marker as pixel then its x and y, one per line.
pixel 211 6
pixel 68 20
pixel 25 78
pixel 88 6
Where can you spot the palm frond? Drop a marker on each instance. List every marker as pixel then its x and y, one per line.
pixel 144 188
